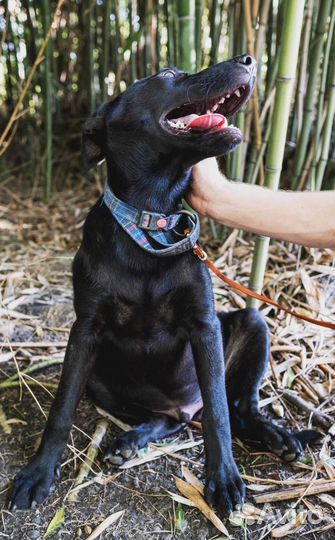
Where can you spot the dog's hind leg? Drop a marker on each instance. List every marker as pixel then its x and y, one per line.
pixel 125 445
pixel 247 347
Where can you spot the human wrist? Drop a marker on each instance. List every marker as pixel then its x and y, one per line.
pixel 214 205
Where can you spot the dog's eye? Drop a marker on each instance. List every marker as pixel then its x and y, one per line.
pixel 168 73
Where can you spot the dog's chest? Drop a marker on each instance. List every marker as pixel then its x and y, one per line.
pixel 150 313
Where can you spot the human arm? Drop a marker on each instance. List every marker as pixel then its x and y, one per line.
pixel 306 218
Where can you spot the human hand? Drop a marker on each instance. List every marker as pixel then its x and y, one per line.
pixel 207 186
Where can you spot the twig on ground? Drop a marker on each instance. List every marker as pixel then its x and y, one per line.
pixel 34 344
pixel 31 369
pixel 319 418
pixel 319 486
pixel 91 454
pixel 4 423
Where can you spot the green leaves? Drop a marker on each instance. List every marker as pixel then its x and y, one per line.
pixel 56 522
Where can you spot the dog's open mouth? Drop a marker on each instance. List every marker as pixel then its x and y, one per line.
pixel 209 115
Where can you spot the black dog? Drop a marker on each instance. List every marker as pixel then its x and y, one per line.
pixel 147 342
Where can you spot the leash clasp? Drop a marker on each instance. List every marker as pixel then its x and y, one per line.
pixel 197 250
pixel 200 253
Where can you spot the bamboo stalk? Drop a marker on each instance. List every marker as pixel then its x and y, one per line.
pixel 303 66
pixel 269 51
pixel 198 33
pixel 255 9
pixel 157 36
pixel 241 150
pixel 48 105
pixel 238 157
pixel 255 98
pixel 260 154
pixel 216 21
pixel 39 59
pixel 307 168
pixel 314 63
pixel 327 131
pixel 105 48
pixel 151 36
pixel 275 152
pixel 118 36
pixel 171 54
pixel 212 27
pixel 12 51
pixel 261 34
pixel 142 60
pixel 230 163
pixel 5 29
pixel 133 44
pixel 29 34
pixel 91 43
pixel 231 30
pixel 321 98
pixel 186 32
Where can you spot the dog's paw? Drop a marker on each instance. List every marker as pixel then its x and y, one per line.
pixel 32 485
pixel 122 448
pixel 225 489
pixel 281 442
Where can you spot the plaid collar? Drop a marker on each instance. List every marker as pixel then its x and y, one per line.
pixel 155 233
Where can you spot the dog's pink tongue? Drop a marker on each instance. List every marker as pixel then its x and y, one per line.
pixel 207 121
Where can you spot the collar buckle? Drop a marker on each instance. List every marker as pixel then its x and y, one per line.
pixel 152 221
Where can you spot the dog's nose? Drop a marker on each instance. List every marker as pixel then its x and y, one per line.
pixel 246 60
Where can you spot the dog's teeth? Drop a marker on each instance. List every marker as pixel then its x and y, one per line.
pixel 237 93
pixel 222 100
pixel 215 107
pixel 179 125
pixel 227 96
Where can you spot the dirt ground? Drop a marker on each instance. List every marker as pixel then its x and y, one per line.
pixel 37 246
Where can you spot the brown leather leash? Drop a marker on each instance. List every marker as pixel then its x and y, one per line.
pixel 203 257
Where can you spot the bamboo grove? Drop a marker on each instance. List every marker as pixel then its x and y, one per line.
pixel 98 47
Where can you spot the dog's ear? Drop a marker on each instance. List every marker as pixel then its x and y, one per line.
pixel 93 141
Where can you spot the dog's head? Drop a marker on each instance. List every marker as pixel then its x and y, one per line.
pixel 172 113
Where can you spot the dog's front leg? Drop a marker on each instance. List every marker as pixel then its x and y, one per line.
pixel 34 482
pixel 224 487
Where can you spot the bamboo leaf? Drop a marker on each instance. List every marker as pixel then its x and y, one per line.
pixel 193 494
pixel 191 479
pixel 56 522
pixel 290 377
pixel 105 524
pixel 180 499
pixel 180 519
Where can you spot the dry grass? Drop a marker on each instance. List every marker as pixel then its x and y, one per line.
pixel 37 246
